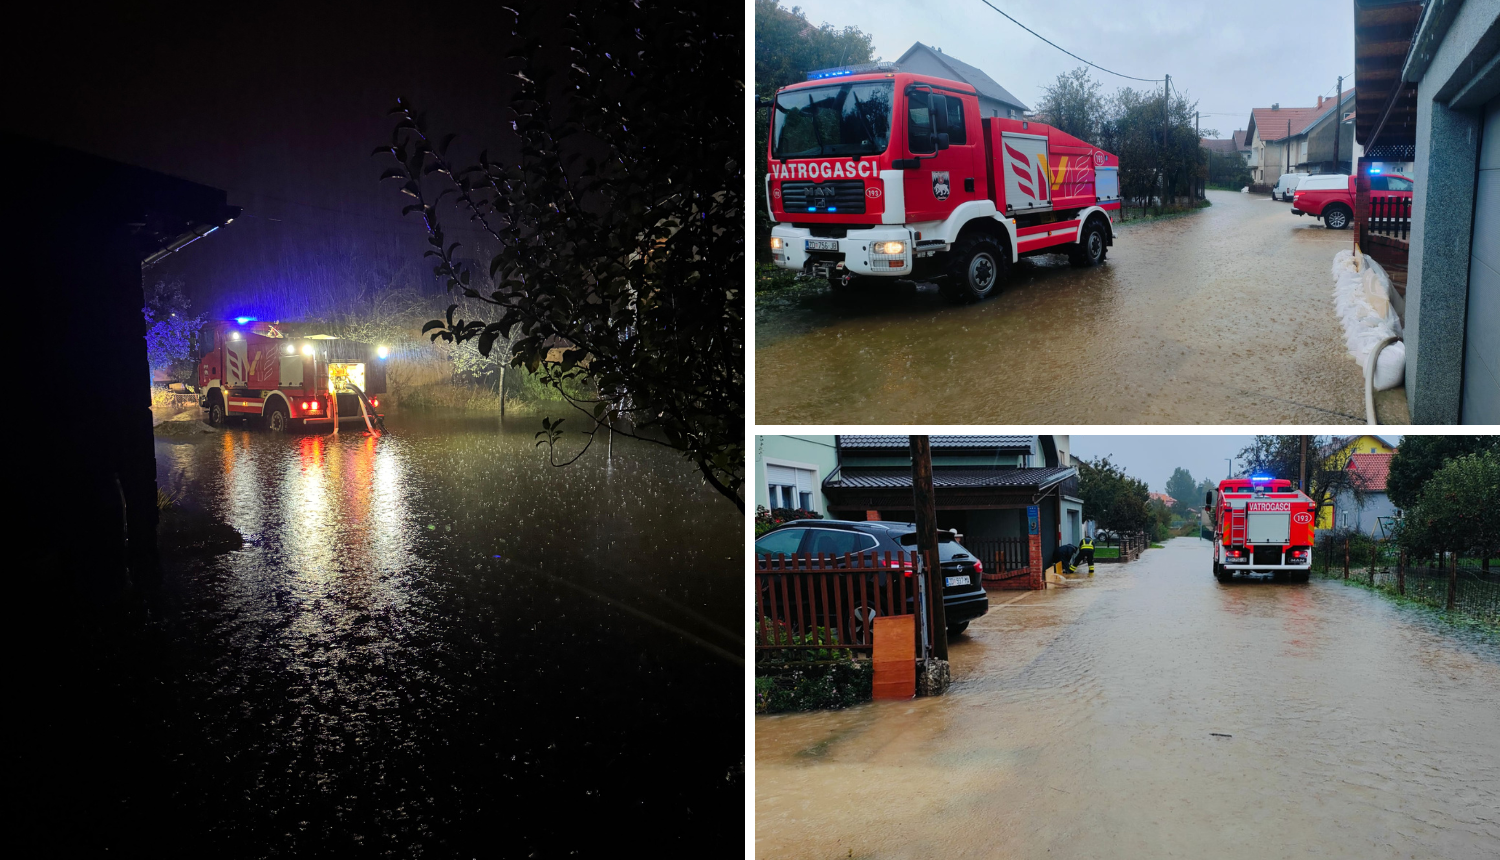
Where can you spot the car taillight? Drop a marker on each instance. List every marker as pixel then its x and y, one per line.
pixel 374 401
pixel 305 405
pixel 979 568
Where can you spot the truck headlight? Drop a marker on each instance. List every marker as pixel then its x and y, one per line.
pixel 307 349
pixel 777 243
pixel 889 247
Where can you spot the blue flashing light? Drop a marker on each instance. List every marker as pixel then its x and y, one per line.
pixel 1262 478
pixel 1374 170
pixel 243 320
pixel 833 209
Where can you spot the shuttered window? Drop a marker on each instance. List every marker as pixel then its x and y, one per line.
pixel 790 487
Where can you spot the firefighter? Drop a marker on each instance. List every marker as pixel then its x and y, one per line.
pixel 1086 551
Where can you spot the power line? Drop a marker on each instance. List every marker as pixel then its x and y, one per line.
pixel 1068 52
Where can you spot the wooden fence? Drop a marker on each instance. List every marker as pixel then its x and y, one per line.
pixel 815 607
pixel 1003 559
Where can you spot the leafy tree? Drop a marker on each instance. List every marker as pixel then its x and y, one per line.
pixel 1074 105
pixel 1157 143
pixel 787 47
pixel 620 227
pixel 1113 500
pixel 169 331
pixel 1419 457
pixel 1184 491
pixel 1455 510
pixel 1328 472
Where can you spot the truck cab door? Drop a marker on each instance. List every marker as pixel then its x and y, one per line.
pixel 946 175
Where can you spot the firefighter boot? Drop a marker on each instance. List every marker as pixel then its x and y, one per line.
pixel 1091 568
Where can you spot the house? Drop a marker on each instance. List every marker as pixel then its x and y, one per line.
pixel 1300 140
pixel 1428 91
pixel 1242 146
pixel 1013 498
pixel 1338 453
pixel 1373 513
pixel 1166 500
pixel 994 100
pixel 1224 147
pixel 789 471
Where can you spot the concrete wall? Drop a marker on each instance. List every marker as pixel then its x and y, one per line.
pixel 1450 116
pixel 803 452
pixel 1349 514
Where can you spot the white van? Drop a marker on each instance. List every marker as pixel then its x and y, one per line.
pixel 1286 185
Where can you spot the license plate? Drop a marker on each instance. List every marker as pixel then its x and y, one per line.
pixel 957 580
pixel 822 244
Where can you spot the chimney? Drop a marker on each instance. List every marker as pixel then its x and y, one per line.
pixel 1276 106
pixel 1320 101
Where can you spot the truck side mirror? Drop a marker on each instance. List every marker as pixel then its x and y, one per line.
pixel 939 114
pixel 1208 500
pixel 941 140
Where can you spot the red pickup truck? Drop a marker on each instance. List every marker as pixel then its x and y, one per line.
pixel 1330 196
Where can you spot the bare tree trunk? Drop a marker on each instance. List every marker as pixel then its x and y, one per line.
pixel 502 392
pixel 1452 580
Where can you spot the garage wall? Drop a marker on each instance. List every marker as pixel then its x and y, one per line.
pixel 1481 386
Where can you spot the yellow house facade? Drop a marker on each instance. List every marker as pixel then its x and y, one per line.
pixel 1347 447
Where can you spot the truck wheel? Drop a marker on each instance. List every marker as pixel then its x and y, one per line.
pixel 1337 217
pixel 975 270
pixel 1221 574
pixel 1091 249
pixel 1302 576
pixel 277 420
pixel 216 412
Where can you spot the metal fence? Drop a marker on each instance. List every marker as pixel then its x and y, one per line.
pixel 1454 584
pixel 823 607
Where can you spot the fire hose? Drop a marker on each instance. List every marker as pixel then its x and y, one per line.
pixel 366 410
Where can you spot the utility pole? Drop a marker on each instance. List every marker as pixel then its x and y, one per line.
pixel 924 500
pixel 1338 121
pixel 1302 479
pixel 1199 136
pixel 1286 150
pixel 1166 124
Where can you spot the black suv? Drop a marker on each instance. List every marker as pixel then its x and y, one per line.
pixel 964 598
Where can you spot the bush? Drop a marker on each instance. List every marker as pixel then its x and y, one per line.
pixel 766 520
pixel 814 687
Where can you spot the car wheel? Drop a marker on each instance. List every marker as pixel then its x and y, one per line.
pixel 1091 248
pixel 277 421
pixel 864 624
pixel 976 269
pixel 1337 217
pixel 957 629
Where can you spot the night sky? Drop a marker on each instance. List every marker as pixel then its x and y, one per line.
pixel 279 107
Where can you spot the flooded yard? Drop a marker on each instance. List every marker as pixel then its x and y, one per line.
pixel 1221 316
pixel 431 644
pixel 1150 713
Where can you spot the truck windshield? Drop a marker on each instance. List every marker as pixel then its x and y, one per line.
pixel 847 119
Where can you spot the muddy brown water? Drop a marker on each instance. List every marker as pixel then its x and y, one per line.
pixel 431 644
pixel 1084 723
pixel 1221 316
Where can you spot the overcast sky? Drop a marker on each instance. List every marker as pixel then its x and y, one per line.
pixel 1152 458
pixel 1231 57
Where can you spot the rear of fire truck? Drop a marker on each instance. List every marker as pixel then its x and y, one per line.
pixel 877 173
pixel 1262 525
pixel 253 369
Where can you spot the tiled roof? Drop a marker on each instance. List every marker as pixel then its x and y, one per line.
pixel 1374 468
pixel 1217 145
pixel 1272 124
pixel 969 441
pixel 1164 499
pixel 1239 141
pixel 897 477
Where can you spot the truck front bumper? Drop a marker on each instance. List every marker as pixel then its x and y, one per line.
pixel 853 253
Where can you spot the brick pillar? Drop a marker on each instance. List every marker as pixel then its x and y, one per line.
pixel 872 515
pixel 1036 579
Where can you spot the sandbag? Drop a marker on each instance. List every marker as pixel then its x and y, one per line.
pixel 1390 366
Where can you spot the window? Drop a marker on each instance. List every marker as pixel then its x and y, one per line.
pixel 783 542
pixel 849 119
pixel 837 542
pixel 791 487
pixel 956 131
pixel 1396 183
pixel 1378 183
pixel 919 123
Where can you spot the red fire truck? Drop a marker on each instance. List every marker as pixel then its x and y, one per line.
pixel 1261 525
pixel 879 173
pixel 252 369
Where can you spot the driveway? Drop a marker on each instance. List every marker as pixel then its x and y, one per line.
pixel 1153 713
pixel 1221 316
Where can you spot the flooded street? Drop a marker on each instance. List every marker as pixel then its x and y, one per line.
pixel 1219 316
pixel 1086 722
pixel 433 644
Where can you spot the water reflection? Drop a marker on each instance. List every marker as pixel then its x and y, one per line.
pixel 433 634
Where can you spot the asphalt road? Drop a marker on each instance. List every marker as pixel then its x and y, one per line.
pixel 1153 712
pixel 1221 316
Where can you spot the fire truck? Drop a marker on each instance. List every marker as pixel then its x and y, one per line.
pixel 253 369
pixel 1261 525
pixel 877 173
